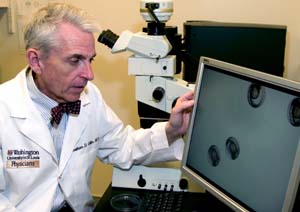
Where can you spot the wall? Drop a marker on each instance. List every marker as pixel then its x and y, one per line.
pixel 111 70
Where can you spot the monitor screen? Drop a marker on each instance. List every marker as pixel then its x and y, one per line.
pixel 242 144
pixel 256 46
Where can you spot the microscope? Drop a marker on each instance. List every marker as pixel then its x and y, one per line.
pixel 156 56
pixel 155 61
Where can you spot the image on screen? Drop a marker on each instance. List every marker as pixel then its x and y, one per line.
pixel 245 138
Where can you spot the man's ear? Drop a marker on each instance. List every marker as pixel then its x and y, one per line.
pixel 33 57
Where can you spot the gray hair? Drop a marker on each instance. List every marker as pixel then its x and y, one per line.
pixel 41 30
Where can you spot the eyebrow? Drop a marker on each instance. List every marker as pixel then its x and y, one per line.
pixel 81 56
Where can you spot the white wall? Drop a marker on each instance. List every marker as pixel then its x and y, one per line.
pixel 111 70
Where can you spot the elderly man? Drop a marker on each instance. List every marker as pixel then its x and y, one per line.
pixel 55 123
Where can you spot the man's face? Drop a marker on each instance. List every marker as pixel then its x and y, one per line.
pixel 67 69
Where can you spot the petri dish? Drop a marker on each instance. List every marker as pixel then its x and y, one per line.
pixel 125 202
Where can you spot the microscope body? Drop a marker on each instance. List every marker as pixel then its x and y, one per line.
pixel 155 61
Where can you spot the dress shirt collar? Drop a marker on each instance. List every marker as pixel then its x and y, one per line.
pixel 43 102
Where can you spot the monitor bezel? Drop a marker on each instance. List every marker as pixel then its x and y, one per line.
pixel 257 76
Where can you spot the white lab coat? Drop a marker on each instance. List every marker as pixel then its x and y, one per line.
pixel 29 167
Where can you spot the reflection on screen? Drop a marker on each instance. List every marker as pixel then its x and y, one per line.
pixel 244 139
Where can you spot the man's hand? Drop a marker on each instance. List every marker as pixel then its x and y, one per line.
pixel 180 116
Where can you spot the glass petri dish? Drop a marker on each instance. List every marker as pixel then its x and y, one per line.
pixel 125 202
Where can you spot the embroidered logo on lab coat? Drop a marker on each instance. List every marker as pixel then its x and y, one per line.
pixel 21 158
pixel 86 144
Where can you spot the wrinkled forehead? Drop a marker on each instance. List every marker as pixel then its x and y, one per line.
pixel 73 39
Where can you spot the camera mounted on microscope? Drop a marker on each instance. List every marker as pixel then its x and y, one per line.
pixel 156 14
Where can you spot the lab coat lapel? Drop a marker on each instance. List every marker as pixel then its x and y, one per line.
pixel 28 118
pixel 30 127
pixel 75 128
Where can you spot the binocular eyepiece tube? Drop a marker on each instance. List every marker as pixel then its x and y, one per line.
pixel 108 38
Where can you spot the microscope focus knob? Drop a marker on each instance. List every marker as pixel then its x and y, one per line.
pixel 183 184
pixel 158 94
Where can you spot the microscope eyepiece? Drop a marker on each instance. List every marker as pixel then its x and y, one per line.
pixel 108 38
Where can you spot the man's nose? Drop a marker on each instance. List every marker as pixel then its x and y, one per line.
pixel 88 72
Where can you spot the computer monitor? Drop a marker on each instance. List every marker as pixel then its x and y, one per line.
pixel 242 144
pixel 256 46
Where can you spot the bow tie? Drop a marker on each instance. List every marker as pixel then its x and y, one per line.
pixel 69 107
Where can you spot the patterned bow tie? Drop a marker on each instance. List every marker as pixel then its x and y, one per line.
pixel 69 107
